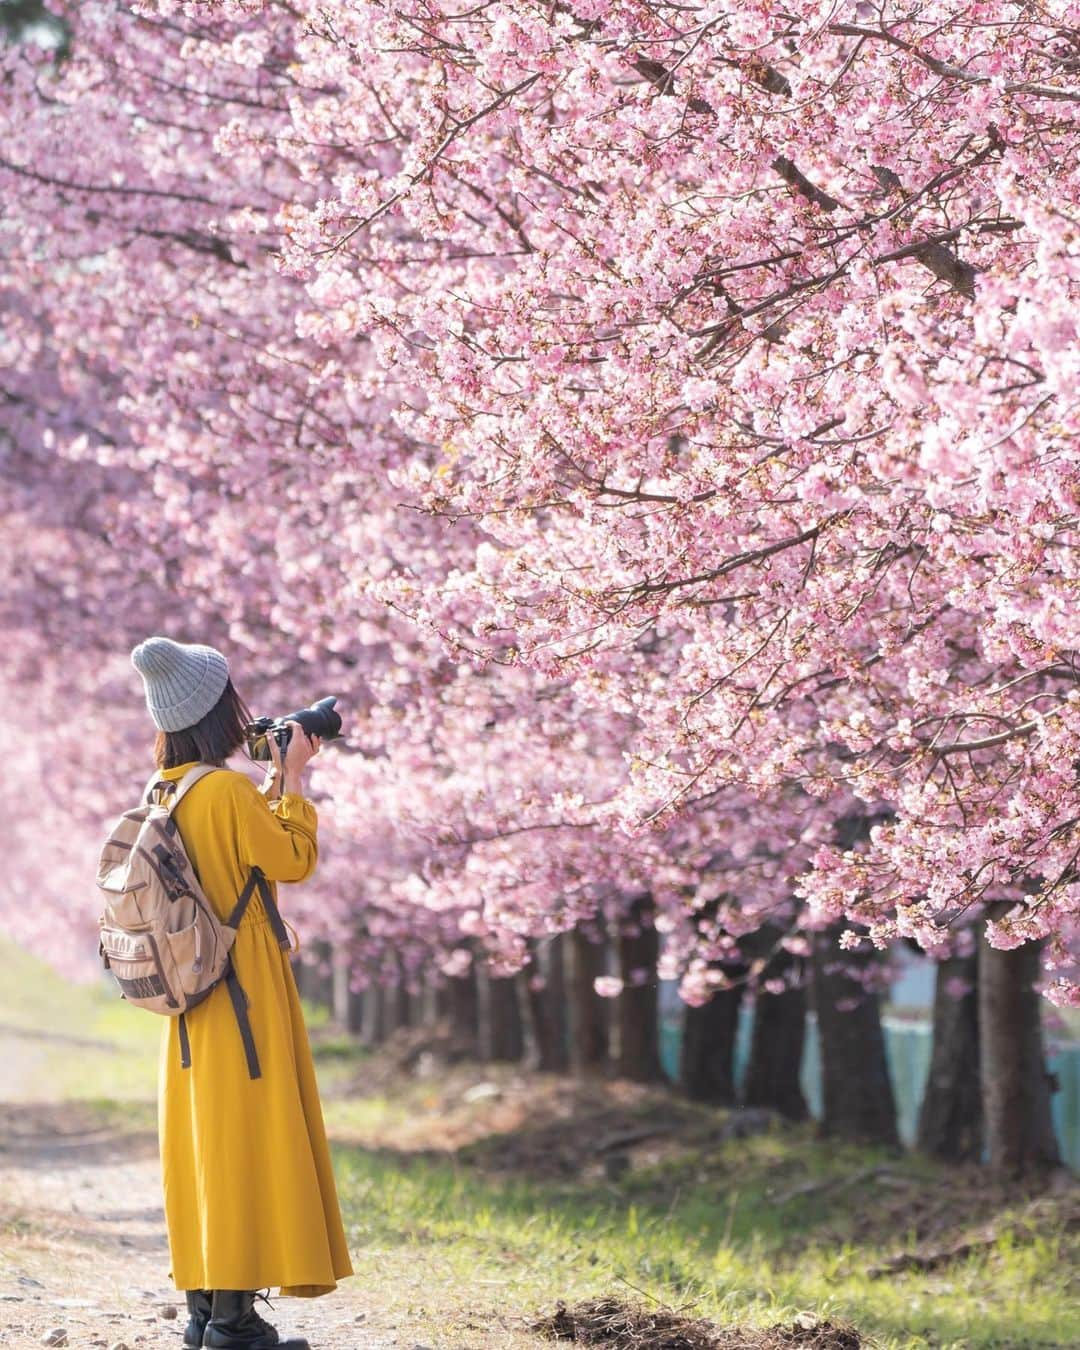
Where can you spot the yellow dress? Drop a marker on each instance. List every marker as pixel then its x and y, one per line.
pixel 250 1199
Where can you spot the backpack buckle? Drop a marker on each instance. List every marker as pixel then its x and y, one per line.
pixel 172 878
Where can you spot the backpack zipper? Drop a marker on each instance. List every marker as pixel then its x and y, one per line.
pixel 214 922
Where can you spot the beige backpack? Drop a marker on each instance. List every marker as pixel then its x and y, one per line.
pixel 159 935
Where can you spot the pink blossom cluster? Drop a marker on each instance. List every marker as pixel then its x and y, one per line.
pixel 658 424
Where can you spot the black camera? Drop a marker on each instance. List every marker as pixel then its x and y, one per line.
pixel 318 720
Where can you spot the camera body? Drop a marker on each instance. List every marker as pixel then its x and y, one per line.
pixel 318 720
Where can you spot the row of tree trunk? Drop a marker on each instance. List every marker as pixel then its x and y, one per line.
pixel 987 1094
pixel 989 1088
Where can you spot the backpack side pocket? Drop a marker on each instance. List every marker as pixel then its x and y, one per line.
pixel 135 961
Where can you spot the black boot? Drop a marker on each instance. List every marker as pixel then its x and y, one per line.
pixel 235 1325
pixel 198 1306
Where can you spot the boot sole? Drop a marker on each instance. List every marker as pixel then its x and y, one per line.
pixel 288 1343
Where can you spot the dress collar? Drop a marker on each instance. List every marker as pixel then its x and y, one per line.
pixel 179 770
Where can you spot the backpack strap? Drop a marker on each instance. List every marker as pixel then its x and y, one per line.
pixel 237 912
pixel 273 914
pixel 236 993
pixel 257 880
pixel 240 1007
pixel 188 781
pixel 239 1001
pixel 175 788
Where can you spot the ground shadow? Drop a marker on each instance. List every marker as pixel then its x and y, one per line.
pixel 51 1135
pixel 58 1038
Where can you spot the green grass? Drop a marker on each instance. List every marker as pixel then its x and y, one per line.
pixel 459 1255
pixel 83 1042
pixel 91 1046
pixel 711 1234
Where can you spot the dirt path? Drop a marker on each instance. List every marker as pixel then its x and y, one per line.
pixel 82 1236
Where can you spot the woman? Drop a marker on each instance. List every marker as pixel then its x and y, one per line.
pixel 250 1200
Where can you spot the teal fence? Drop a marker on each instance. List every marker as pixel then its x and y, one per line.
pixel 907 1045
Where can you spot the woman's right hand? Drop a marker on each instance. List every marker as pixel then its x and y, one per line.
pixel 300 749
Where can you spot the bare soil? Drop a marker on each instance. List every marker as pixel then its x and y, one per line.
pixel 82 1233
pixel 614 1324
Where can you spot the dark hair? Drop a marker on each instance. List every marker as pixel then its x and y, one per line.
pixel 212 739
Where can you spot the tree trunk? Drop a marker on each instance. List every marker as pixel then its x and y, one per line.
pixel 857 1091
pixel 951 1117
pixel 1015 1083
pixel 312 983
pixel 637 1005
pixel 395 1008
pixel 504 1037
pixel 460 1004
pixel 373 1017
pixel 415 1007
pixel 707 1049
pixel 590 1014
pixel 348 1003
pixel 776 1051
pixel 354 1011
pixel 548 1006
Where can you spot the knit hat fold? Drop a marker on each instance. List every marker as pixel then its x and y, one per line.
pixel 183 680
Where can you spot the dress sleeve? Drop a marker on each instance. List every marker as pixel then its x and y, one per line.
pixel 280 839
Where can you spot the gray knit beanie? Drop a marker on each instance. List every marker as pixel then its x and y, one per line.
pixel 183 680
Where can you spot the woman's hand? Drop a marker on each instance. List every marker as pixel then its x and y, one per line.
pixel 300 749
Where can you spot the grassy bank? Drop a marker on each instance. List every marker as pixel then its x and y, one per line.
pixel 750 1230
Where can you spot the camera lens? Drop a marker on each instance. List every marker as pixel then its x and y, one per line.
pixel 319 720
pixel 328 724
